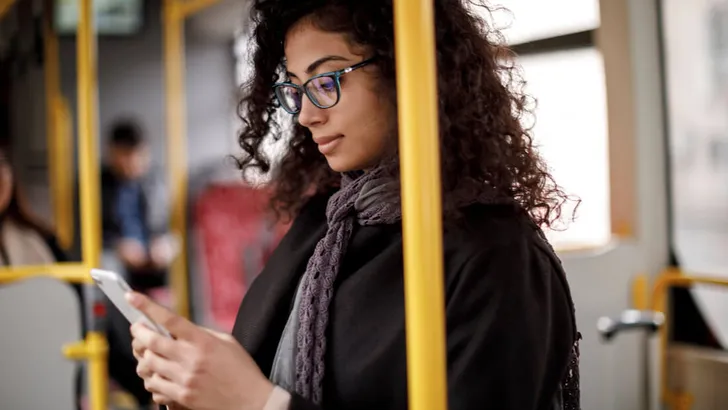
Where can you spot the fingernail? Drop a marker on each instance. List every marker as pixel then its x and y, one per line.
pixel 133 299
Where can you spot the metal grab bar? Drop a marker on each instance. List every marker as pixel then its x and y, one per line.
pixel 657 320
pixel 631 319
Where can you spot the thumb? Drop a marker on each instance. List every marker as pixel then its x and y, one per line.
pixel 176 325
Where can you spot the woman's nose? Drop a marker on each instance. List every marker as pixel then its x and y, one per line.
pixel 310 115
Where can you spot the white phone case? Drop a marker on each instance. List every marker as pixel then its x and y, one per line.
pixel 115 288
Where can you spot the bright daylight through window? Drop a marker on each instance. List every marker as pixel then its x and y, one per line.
pixel 570 127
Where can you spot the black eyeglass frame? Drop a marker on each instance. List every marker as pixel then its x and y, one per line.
pixel 336 75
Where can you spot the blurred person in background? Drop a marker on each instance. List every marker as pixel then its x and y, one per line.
pixel 136 241
pixel 24 238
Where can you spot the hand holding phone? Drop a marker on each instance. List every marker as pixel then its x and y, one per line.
pixel 116 288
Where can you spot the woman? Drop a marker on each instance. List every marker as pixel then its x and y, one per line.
pixel 24 239
pixel 323 326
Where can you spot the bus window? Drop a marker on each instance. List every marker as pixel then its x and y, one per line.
pixel 565 82
pixel 570 131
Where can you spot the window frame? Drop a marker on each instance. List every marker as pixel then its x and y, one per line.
pixel 612 40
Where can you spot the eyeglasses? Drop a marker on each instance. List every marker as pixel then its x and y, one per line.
pixel 324 90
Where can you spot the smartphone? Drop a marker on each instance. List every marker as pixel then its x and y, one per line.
pixel 115 288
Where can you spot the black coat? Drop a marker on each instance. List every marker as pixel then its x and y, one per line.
pixel 510 323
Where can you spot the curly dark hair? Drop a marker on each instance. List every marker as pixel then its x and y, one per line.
pixel 484 146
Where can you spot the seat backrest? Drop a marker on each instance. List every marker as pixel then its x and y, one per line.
pixel 38 316
pixel 235 237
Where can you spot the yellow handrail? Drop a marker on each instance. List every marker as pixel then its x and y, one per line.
pixel 5 6
pixel 173 17
pixel 58 139
pixel 93 349
pixel 668 279
pixel 89 181
pixel 89 178
pixel 63 183
pixel 421 203
pixel 176 105
pixel 68 272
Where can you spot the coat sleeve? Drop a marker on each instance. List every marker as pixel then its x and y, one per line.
pixel 510 329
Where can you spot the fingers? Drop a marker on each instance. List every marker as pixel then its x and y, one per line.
pixel 155 383
pixel 178 326
pixel 163 400
pixel 146 339
pixel 168 393
pixel 219 335
pixel 159 387
pixel 138 349
pixel 153 365
pixel 144 369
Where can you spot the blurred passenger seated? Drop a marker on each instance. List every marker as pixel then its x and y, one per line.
pixel 24 238
pixel 136 241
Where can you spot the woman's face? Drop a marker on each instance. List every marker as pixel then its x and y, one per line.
pixel 6 183
pixel 355 133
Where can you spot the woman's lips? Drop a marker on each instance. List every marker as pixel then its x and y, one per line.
pixel 327 145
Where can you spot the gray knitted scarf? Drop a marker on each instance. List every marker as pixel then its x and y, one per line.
pixel 370 199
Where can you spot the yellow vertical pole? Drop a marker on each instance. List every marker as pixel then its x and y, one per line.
pixel 176 106
pixel 52 89
pixel 5 6
pixel 89 187
pixel 421 203
pixel 57 136
pixel 89 179
pixel 188 8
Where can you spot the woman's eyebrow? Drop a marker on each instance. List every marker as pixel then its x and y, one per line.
pixel 316 64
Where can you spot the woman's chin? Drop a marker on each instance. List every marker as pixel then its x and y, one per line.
pixel 338 164
pixel 347 163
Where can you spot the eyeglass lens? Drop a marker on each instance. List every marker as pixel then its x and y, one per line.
pixel 321 90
